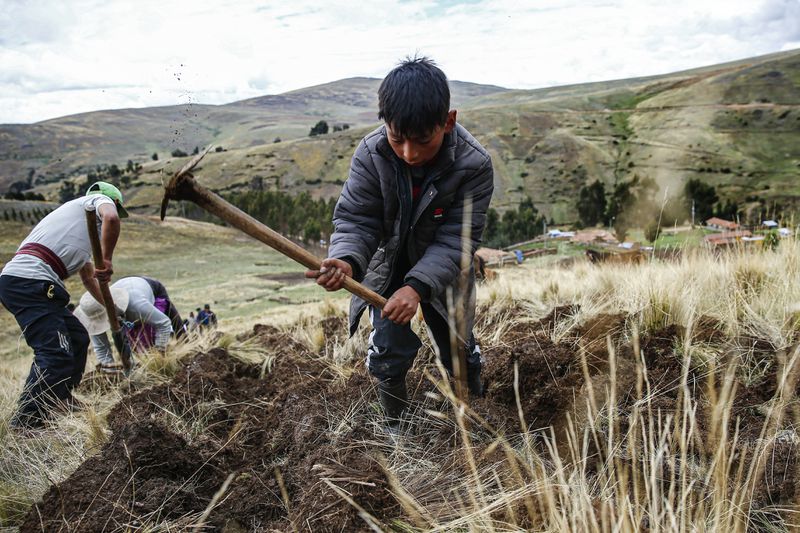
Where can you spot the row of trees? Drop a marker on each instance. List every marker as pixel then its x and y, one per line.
pixel 121 177
pixel 33 216
pixel 322 128
pixel 632 203
pixel 177 152
pixel 309 219
pixel 516 225
pixel 18 190
pixel 301 216
pixel 27 195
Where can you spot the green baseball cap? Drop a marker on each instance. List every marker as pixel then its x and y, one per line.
pixel 108 190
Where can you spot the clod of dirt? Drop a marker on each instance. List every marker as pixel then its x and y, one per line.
pixel 547 375
pixel 174 444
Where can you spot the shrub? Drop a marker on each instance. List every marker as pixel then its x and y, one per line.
pixel 320 128
pixel 592 203
pixel 652 231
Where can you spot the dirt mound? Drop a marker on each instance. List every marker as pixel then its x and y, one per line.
pixel 174 445
pixel 146 469
pixel 547 375
pixel 299 445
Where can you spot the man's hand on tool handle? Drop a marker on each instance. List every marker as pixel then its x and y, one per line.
pixel 400 308
pixel 104 274
pixel 331 274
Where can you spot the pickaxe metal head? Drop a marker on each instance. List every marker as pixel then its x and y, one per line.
pixel 180 186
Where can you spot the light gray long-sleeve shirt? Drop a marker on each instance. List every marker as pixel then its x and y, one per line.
pixel 140 309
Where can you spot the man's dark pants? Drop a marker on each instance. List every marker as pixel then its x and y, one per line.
pixel 392 347
pixel 58 339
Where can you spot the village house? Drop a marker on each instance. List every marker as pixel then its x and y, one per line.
pixel 720 224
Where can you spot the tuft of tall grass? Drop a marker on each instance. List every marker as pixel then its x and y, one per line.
pixel 647 468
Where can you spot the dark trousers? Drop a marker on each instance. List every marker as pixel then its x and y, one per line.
pixel 58 339
pixel 392 348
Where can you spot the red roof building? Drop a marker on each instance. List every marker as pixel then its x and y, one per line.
pixel 722 224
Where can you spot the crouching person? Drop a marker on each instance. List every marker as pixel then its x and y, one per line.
pixel 398 226
pixel 143 304
pixel 32 289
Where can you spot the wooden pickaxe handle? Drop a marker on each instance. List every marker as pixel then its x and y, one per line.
pixel 183 186
pixel 108 300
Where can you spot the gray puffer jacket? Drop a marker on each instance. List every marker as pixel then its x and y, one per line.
pixel 374 213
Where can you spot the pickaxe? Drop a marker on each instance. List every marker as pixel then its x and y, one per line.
pixel 183 186
pixel 120 339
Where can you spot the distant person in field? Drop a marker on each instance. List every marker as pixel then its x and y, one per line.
pixel 206 318
pixel 32 289
pixel 210 318
pixel 398 227
pixel 145 309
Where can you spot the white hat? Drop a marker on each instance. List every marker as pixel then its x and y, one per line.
pixel 92 314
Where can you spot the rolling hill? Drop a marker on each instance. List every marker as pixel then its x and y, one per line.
pixel 735 125
pixel 54 149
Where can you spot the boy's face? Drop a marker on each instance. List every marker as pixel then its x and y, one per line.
pixel 418 151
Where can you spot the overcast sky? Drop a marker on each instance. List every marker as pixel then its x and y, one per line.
pixel 60 58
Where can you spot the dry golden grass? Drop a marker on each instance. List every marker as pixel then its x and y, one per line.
pixel 660 473
pixel 656 470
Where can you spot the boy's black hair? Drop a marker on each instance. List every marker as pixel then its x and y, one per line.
pixel 414 97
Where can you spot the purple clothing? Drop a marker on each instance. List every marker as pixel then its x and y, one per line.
pixel 142 336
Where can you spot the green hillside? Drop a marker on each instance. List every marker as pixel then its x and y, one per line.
pixel 736 126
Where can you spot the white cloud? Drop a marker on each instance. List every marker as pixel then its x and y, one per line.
pixel 91 54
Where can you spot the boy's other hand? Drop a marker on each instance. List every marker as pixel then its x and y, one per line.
pixel 331 274
pixel 402 306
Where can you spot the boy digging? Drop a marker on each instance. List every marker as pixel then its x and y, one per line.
pixel 398 227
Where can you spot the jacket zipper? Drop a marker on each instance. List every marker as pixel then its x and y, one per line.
pixel 404 187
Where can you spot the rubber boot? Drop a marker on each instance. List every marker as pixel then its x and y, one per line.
pixel 474 383
pixel 394 401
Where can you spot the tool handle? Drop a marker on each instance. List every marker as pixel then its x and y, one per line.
pixel 108 300
pixel 239 219
pixel 183 186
